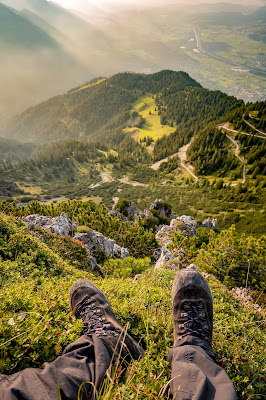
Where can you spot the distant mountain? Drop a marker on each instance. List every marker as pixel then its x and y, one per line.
pixel 20 33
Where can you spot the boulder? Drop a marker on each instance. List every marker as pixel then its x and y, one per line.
pixel 190 224
pixel 210 224
pixel 131 209
pixel 61 225
pixel 165 234
pixel 185 225
pixel 96 241
pixel 167 260
pixel 160 205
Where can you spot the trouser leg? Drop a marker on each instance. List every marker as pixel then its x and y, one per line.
pixel 81 367
pixel 195 376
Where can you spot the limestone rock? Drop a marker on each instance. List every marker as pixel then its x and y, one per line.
pixel 136 278
pixel 185 225
pixel 61 225
pixel 159 205
pixel 96 241
pixel 131 209
pixel 8 188
pixel 167 260
pixel 210 224
pixel 190 224
pixel 165 234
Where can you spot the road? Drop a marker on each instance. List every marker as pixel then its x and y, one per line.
pixel 253 70
pixel 182 154
pixel 253 127
pixel 225 126
pixel 237 151
pixel 157 164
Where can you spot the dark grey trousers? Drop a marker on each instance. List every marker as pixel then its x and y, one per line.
pixel 81 368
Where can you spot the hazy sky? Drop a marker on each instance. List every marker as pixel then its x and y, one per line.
pixel 81 4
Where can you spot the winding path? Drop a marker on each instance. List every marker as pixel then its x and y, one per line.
pixel 225 127
pixel 237 151
pixel 157 164
pixel 253 127
pixel 182 154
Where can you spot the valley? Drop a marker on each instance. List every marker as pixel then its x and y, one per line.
pixel 165 141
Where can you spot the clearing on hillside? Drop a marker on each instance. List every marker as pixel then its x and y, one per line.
pixel 146 106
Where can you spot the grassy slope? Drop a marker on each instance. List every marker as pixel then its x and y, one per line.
pixel 36 281
pixel 152 126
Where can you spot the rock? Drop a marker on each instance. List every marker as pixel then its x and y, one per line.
pixel 61 225
pixel 136 278
pixel 156 253
pixel 96 241
pixel 93 262
pixel 190 224
pixel 8 188
pixel 210 224
pixel 165 234
pixel 185 225
pixel 242 295
pixel 167 260
pixel 160 205
pixel 131 209
pixel 215 224
pixel 114 214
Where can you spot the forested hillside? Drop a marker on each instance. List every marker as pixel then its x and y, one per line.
pixel 98 107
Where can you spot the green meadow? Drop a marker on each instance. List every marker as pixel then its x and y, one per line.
pixel 146 106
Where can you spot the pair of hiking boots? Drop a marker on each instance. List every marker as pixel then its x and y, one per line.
pixel 192 310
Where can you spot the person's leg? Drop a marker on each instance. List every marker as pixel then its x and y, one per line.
pixel 80 369
pixel 195 375
pixel 66 375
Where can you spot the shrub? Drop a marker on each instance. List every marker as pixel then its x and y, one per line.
pixel 235 260
pixel 127 267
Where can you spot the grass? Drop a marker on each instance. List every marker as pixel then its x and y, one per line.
pixel 89 85
pixel 152 127
pixel 237 44
pixel 36 280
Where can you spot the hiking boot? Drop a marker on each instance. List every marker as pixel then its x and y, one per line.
pixel 192 306
pixel 89 303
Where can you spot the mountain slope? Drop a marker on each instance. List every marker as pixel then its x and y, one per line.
pixel 83 111
pixel 17 31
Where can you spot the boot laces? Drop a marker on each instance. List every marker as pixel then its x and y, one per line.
pixel 94 321
pixel 194 320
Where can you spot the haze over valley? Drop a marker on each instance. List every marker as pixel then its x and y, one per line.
pixel 51 49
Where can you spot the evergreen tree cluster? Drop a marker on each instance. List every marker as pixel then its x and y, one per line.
pixel 189 111
pixel 210 152
pixel 11 150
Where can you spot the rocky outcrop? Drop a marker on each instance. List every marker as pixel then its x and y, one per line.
pixel 163 209
pixel 190 225
pixel 131 209
pixel 8 188
pixel 61 225
pixel 167 260
pixel 96 241
pixel 210 224
pixel 186 225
